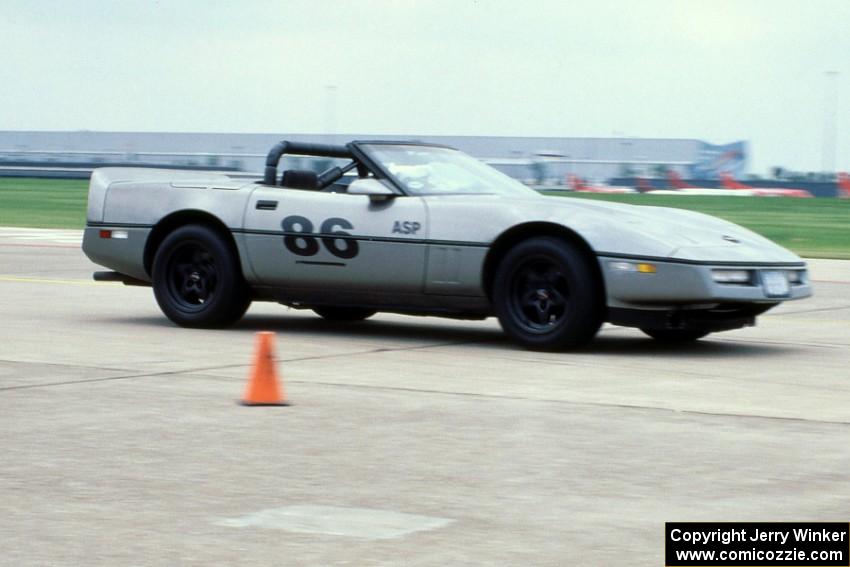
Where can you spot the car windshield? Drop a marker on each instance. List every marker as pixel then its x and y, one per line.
pixel 427 170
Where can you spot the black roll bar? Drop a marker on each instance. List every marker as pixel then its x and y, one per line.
pixel 301 149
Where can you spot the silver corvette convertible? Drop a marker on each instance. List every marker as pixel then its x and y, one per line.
pixel 427 230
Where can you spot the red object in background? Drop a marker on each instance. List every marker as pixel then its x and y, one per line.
pixel 676 182
pixel 643 186
pixel 843 185
pixel 575 182
pixel 729 182
pixel 578 185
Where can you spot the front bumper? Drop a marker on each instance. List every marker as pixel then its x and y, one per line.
pixel 678 284
pixel 720 318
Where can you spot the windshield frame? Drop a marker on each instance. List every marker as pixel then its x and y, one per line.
pixel 363 152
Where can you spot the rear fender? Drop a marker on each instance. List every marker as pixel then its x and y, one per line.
pixel 182 218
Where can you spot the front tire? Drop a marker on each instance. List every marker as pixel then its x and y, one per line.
pixel 547 296
pixel 197 280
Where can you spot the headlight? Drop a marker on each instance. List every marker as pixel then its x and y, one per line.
pixel 741 277
pixel 640 267
pixel 796 277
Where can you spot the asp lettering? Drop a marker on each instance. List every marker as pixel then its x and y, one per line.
pixel 406 227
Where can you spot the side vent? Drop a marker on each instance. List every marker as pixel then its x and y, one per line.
pixel 266 205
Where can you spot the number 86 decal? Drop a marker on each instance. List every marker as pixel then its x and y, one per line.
pixel 305 243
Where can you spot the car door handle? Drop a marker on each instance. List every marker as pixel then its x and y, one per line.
pixel 266 205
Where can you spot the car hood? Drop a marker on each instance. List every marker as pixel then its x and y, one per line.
pixel 682 234
pixel 623 229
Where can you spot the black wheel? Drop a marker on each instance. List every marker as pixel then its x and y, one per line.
pixel 332 313
pixel 675 335
pixel 547 296
pixel 197 280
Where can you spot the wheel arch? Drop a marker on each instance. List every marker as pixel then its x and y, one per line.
pixel 516 234
pixel 175 220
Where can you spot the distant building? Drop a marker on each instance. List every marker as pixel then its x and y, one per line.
pixel 533 159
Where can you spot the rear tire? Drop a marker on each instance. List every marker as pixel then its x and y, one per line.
pixel 547 296
pixel 343 314
pixel 675 336
pixel 197 280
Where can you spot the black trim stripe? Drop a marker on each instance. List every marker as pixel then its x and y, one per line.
pixel 362 238
pixel 612 255
pixel 357 237
pixel 91 224
pixel 616 256
pixel 311 263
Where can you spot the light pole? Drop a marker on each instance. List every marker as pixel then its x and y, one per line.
pixel 830 122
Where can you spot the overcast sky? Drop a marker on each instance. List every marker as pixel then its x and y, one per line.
pixel 719 70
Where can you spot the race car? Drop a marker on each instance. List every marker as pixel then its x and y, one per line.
pixel 423 229
pixel 578 184
pixel 732 184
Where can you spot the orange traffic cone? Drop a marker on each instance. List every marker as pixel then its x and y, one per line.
pixel 263 388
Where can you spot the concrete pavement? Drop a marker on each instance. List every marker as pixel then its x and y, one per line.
pixel 411 441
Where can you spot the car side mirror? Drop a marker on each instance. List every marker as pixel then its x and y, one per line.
pixel 376 190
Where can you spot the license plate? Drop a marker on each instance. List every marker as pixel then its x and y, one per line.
pixel 775 284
